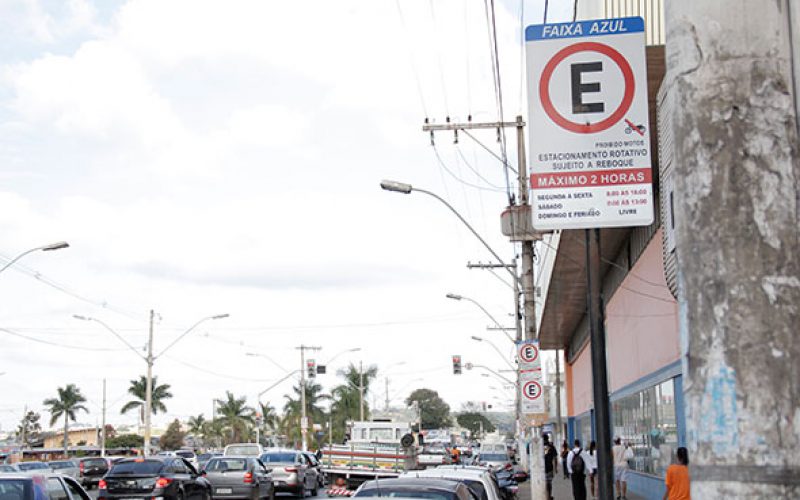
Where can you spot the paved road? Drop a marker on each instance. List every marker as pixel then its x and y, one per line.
pixel 279 496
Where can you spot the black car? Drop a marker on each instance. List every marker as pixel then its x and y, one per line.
pixel 92 469
pixel 170 478
pixel 413 487
pixel 35 486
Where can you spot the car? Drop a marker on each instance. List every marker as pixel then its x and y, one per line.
pixel 493 460
pixel 168 478
pixel 433 456
pixel 239 477
pixel 92 469
pixel 41 486
pixel 187 454
pixel 32 467
pixel 291 472
pixel 412 487
pixel 244 449
pixel 203 458
pixel 7 468
pixel 67 467
pixel 480 481
pixel 314 463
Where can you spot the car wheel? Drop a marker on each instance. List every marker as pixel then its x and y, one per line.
pixel 302 492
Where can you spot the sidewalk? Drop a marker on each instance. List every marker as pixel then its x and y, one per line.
pixel 562 490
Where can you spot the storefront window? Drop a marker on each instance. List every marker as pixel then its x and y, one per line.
pixel 646 421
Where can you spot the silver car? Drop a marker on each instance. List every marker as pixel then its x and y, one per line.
pixel 66 467
pixel 291 472
pixel 239 477
pixel 32 467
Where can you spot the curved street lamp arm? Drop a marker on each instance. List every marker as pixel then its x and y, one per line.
pixel 120 337
pixel 506 361
pixel 475 233
pixel 277 383
pixel 496 323
pixel 220 316
pixel 495 374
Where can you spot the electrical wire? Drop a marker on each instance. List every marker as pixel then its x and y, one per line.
pixel 457 178
pixel 488 150
pixel 411 58
pixel 439 58
pixel 216 374
pixel 475 171
pixel 57 344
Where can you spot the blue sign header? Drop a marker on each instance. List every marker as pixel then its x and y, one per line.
pixel 597 27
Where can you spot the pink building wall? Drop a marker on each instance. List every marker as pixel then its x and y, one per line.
pixel 641 330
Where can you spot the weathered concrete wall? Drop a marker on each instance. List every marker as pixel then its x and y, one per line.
pixel 730 67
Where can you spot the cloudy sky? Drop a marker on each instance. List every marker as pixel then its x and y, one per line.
pixel 209 157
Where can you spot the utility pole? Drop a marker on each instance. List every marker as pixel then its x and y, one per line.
pixel 148 396
pixel 387 393
pixel 361 389
pixel 25 427
pixel 103 430
pixel 303 409
pixel 560 430
pixel 736 201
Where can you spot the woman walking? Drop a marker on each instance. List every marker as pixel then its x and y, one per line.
pixel 591 466
pixel 564 454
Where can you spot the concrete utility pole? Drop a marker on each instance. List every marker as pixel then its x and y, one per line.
pixel 732 74
pixel 361 389
pixel 303 409
pixel 103 430
pixel 148 395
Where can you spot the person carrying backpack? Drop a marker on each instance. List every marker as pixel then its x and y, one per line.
pixel 576 464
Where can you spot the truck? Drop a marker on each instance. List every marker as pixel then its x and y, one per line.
pixel 375 450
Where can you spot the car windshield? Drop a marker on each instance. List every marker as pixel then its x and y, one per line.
pixel 494 457
pixel 476 487
pixel 388 492
pixel 185 454
pixel 61 465
pixel 244 449
pixel 94 462
pixel 278 458
pixel 137 467
pixel 31 466
pixel 15 489
pixel 226 464
pixel 6 468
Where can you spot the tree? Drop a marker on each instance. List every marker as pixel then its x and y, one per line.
pixel 269 418
pixel 346 397
pixel 435 412
pixel 236 416
pixel 30 429
pixel 473 421
pixel 172 439
pixel 66 404
pixel 138 389
pixel 290 423
pixel 124 441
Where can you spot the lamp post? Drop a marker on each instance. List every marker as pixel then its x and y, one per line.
pixel 45 248
pixel 149 359
pixel 480 339
pixel 455 296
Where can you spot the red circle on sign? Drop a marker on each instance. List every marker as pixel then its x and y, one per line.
pixel 584 128
pixel 522 353
pixel 528 384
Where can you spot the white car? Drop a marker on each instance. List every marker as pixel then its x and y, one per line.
pixel 189 455
pixel 479 481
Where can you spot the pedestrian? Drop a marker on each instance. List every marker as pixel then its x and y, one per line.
pixel 576 464
pixel 564 454
pixel 550 465
pixel 677 480
pixel 591 466
pixel 620 455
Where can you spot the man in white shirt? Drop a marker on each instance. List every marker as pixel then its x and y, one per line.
pixel 620 468
pixel 576 466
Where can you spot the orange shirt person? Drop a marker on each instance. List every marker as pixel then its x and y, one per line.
pixel 677 480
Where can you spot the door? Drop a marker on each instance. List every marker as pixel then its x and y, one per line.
pixel 185 476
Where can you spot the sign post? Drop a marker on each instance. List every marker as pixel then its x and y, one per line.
pixel 590 158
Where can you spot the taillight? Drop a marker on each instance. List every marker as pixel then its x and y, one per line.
pixel 291 469
pixel 248 477
pixel 80 466
pixel 102 484
pixel 163 482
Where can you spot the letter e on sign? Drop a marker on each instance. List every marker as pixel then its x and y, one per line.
pixel 532 390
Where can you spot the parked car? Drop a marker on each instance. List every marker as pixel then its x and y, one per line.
pixel 480 481
pixel 32 467
pixel 291 472
pixel 91 470
pixel 36 486
pixel 243 450
pixel 493 460
pixel 169 478
pixel 433 456
pixel 412 487
pixel 314 463
pixel 203 458
pixel 67 467
pixel 239 477
pixel 7 468
pixel 189 455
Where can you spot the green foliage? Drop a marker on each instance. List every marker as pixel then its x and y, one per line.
pixel 346 398
pixel 290 423
pixel 172 439
pixel 138 389
pixel 236 417
pixel 435 412
pixel 472 421
pixel 125 441
pixel 66 404
pixel 30 428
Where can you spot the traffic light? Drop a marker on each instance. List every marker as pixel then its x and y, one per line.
pixel 456 364
pixel 312 368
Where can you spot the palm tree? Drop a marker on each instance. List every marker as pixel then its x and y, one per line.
pixel 292 410
pixel 236 416
pixel 138 389
pixel 197 425
pixel 347 399
pixel 270 419
pixel 67 403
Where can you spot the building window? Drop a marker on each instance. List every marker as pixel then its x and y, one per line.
pixel 583 430
pixel 646 421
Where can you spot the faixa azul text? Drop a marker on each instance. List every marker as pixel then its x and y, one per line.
pixel 596 28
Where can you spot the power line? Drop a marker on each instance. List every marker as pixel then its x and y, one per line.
pixel 457 178
pixel 57 344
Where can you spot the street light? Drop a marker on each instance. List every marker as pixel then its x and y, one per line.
pixel 480 339
pixel 45 248
pixel 355 349
pixel 401 187
pixel 149 359
pixel 497 323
